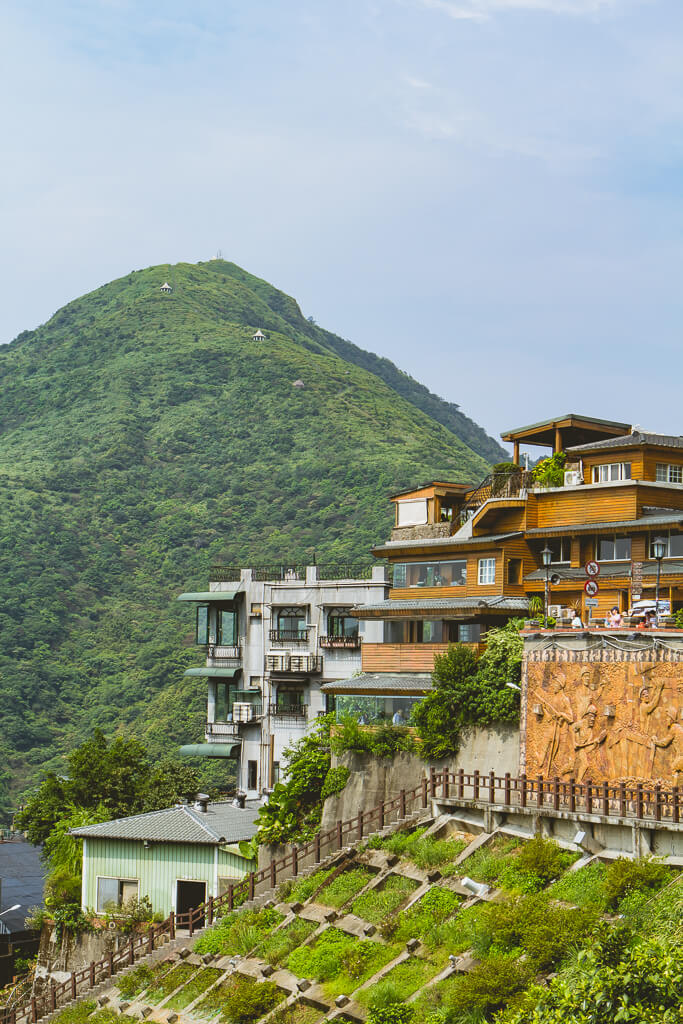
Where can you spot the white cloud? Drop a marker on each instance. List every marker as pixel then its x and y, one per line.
pixel 482 10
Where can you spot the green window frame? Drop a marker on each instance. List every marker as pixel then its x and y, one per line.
pixel 202 625
pixel 227 627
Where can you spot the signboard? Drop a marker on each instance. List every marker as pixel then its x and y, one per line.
pixel 636 581
pixel 591 588
pixel 591 602
pixel 592 568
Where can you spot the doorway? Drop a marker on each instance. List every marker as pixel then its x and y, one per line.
pixel 189 896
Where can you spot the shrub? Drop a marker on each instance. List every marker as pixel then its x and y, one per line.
pixel 544 859
pixel 344 887
pixel 623 877
pixel 488 987
pixel 335 781
pixel 379 904
pixel 382 740
pixel 36 918
pixel 238 932
pixel 135 981
pixel 242 1001
pixel 584 888
pixel 394 1013
pixel 277 946
pixel 305 887
pixel 423 851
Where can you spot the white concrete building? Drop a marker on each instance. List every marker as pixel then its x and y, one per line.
pixel 273 636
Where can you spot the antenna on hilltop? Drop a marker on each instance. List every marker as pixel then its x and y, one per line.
pixel 219 254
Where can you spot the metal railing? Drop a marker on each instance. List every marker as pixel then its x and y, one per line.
pixel 289 710
pixel 340 642
pixel 613 800
pixel 293 573
pixel 221 729
pixel 288 636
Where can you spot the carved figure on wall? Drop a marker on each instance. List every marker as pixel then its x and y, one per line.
pixel 589 690
pixel 558 710
pixel 674 739
pixel 588 738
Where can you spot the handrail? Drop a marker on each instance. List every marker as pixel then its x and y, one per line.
pixel 607 799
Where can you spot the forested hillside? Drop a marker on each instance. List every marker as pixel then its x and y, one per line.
pixel 144 437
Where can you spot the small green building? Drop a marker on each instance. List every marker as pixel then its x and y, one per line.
pixel 177 857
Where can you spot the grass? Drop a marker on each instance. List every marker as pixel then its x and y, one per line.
pixel 518 866
pixel 400 983
pixel 276 947
pixel 341 961
pixel 77 1013
pixel 425 919
pixel 344 887
pixel 378 904
pixel 423 851
pixel 299 1013
pixel 238 932
pixel 163 984
pixel 135 981
pixel 305 887
pixel 583 888
pixel 194 988
pixel 240 1000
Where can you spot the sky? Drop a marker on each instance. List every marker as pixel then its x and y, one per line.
pixel 488 192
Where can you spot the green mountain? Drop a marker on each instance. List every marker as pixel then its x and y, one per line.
pixel 145 437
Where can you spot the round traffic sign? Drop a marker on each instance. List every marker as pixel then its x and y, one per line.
pixel 591 587
pixel 592 568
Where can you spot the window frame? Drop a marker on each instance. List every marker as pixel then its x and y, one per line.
pixel 101 909
pixel 335 615
pixel 483 566
pixel 433 567
pixel 668 467
pixel 613 537
pixel 202 608
pixel 597 470
pixel 667 536
pixel 220 638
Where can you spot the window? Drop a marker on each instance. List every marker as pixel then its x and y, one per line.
pixel 611 471
pixel 227 628
pixel 469 632
pixel 341 623
pixel 669 474
pixel 114 892
pixel 251 775
pixel 515 570
pixel 431 574
pixel 276 772
pixel 202 631
pixel 487 571
pixel 613 549
pixel 560 547
pixel 291 623
pixel 674 544
pixel 412 512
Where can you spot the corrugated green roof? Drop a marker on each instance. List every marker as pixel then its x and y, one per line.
pixel 222 750
pixel 225 673
pixel 209 595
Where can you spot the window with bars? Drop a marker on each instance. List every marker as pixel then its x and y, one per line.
pixel 669 473
pixel 487 571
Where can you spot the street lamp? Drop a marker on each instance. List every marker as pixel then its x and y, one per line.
pixel 658 550
pixel 547 557
pixel 10 909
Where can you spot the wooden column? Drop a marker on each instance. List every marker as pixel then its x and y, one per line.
pixel 558 440
pixel 515 452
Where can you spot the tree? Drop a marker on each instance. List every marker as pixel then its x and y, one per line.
pixel 114 779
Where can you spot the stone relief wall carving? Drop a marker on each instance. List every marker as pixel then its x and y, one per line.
pixel 603 720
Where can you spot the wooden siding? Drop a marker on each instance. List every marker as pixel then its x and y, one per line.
pixel 157 868
pixel 586 505
pixel 404 657
pixel 426 593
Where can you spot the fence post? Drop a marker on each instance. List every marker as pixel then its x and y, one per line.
pixel 539 794
pixel 231 896
pixel 295 861
pixel 381 812
pixel 639 800
pixel 507 788
pixel 622 798
pixel 492 787
pixel 74 990
pixel 445 781
pixel 522 790
pixel 475 792
pixel 556 793
pixel 675 804
pixel 461 782
pixel 432 780
pixel 53 995
pixel 34 1010
pixel 92 969
pixel 425 791
pixel 171 925
pixel 273 874
pixel 658 802
pixel 190 922
pixel 150 936
pixel 572 794
pixel 110 962
pixel 360 825
pixel 589 796
pixel 339 834
pixel 605 799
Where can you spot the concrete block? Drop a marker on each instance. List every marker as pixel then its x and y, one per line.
pixel 103 1000
pixel 341 1001
pixel 267 970
pixel 369 929
pixel 172 1018
pixel 145 1011
pixel 331 915
pixel 412 945
pixel 303 984
pixel 184 953
pixel 433 876
pixel 207 958
pixel 295 907
pixel 123 1007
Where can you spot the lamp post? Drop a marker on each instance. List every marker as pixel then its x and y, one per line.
pixel 547 557
pixel 658 550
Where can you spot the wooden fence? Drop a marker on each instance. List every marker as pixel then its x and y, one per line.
pixel 611 800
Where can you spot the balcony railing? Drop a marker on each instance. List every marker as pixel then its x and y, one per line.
pixel 246 712
pixel 287 662
pixel 296 711
pixel 340 642
pixel 293 573
pixel 221 730
pixel 221 655
pixel 288 636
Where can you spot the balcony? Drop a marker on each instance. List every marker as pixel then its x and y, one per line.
pixel 287 662
pixel 218 731
pixel 340 643
pixel 288 636
pixel 223 656
pixel 405 657
pixel 294 713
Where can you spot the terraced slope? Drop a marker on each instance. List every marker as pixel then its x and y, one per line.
pixel 399 923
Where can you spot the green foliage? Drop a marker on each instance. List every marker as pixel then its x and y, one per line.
pixel 135 981
pixel 623 877
pixel 423 851
pixel 550 472
pixel 62 889
pixel 145 438
pixel 584 888
pixel 544 859
pixel 241 1001
pixel 340 960
pixel 335 781
pixel 78 1013
pixel 378 904
pixel 68 917
pixel 105 780
pixel 487 988
pixel 394 1013
pixel 344 887
pixel 381 740
pixel 276 947
pixel 398 984
pixel 467 693
pixel 238 932
pixel 132 913
pixel 678 618
pixel 194 988
pixel 294 808
pixel 305 887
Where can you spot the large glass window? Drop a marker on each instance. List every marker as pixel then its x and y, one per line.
pixel 611 471
pixel 487 571
pixel 560 548
pixel 431 574
pixel 341 623
pixel 613 549
pixel 411 512
pixel 670 474
pixel 373 710
pixel 673 542
pixel 114 892
pixel 202 630
pixel 227 627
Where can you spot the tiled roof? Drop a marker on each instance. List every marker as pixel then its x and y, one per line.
pixel 444 604
pixel 446 542
pixel 381 683
pixel 668 519
pixel 628 440
pixel 222 823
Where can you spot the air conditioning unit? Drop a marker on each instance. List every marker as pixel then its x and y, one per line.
pixel 572 478
pixel 242 712
pixel 278 661
pixel 555 611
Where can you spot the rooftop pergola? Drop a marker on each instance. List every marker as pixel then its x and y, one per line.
pixel 564 432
